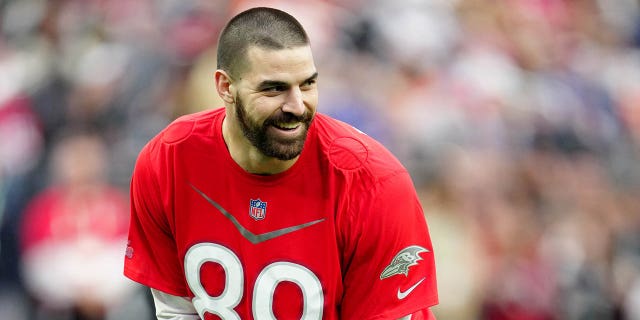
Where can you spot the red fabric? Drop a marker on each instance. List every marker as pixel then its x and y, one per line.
pixel 424 314
pixel 359 198
pixel 62 214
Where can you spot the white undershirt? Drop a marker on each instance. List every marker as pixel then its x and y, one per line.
pixel 170 307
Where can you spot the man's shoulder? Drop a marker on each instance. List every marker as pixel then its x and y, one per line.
pixel 184 126
pixel 348 148
pixel 184 132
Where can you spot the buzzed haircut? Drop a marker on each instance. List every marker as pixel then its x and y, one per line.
pixel 263 27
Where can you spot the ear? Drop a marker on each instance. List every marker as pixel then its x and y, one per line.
pixel 223 85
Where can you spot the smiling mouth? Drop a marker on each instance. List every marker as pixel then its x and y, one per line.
pixel 286 126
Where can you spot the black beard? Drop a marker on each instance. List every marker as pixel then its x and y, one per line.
pixel 282 149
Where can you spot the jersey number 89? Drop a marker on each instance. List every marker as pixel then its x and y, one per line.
pixel 265 286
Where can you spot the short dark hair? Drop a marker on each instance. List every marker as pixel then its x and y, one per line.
pixel 262 27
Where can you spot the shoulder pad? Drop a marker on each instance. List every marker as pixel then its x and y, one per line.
pixel 348 153
pixel 178 131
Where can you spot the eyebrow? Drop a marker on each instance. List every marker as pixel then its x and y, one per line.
pixel 276 83
pixel 313 77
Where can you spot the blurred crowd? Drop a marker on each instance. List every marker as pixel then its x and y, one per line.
pixel 519 121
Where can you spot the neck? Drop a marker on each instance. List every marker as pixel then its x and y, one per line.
pixel 247 156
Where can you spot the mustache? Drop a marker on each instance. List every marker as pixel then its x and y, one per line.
pixel 280 117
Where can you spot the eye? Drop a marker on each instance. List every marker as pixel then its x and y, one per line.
pixel 309 83
pixel 275 89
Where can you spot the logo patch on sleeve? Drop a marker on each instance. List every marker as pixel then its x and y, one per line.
pixel 129 251
pixel 401 263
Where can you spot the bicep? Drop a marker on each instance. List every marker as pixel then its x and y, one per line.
pixel 152 258
pixel 391 257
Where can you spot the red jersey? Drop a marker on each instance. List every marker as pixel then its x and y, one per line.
pixel 340 235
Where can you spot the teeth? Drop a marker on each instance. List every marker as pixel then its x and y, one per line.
pixel 287 125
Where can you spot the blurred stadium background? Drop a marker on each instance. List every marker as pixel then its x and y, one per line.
pixel 518 119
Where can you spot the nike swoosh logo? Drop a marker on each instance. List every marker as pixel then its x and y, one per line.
pixel 255 238
pixel 402 295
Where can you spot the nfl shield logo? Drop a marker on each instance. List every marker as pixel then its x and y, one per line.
pixel 257 209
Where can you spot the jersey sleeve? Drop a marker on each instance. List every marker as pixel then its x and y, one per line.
pixel 151 257
pixel 390 269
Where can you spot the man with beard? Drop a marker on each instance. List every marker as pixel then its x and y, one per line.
pixel 266 209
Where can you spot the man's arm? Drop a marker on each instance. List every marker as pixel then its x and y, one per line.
pixel 170 307
pixel 399 276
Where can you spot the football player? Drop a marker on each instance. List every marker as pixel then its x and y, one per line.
pixel 267 209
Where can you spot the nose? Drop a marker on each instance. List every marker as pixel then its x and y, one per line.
pixel 294 102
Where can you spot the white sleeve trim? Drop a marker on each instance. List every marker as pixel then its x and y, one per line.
pixel 170 307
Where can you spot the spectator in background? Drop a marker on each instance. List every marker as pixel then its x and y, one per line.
pixel 73 235
pixel 20 144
